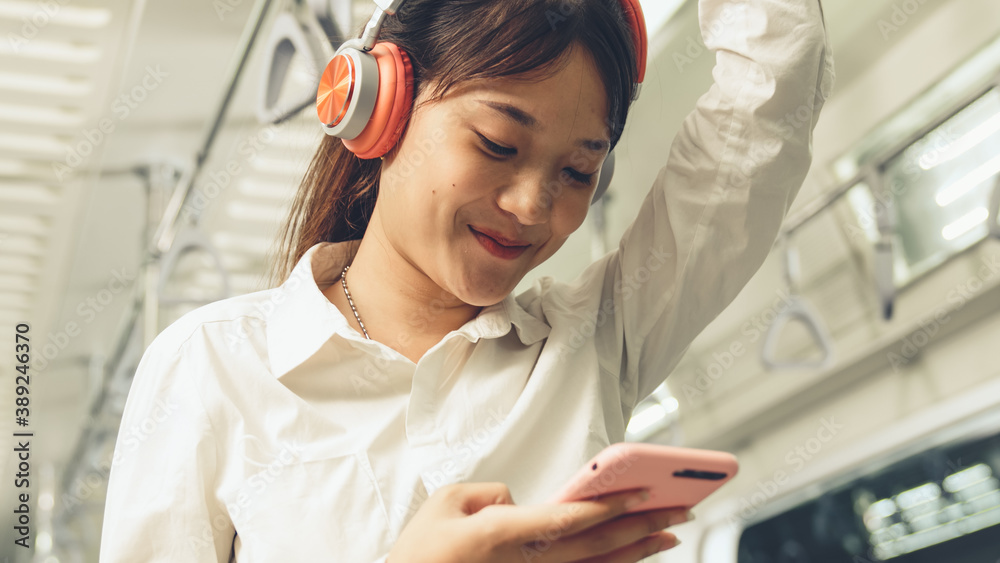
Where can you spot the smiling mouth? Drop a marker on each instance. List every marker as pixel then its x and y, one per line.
pixel 498 242
pixel 496 249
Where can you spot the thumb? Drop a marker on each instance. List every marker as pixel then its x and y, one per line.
pixel 476 496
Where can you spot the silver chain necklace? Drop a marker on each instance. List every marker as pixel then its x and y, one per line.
pixel 343 282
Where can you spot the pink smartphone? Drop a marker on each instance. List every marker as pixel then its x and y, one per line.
pixel 676 477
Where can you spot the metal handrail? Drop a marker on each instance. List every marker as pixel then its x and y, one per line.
pixel 883 249
pixel 159 244
pixel 797 220
pixel 168 227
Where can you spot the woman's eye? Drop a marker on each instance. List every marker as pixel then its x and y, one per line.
pixel 499 150
pixel 586 179
pixel 504 152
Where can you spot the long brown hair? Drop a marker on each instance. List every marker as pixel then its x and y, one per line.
pixel 450 41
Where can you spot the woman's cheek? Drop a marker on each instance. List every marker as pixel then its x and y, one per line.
pixel 474 175
pixel 572 210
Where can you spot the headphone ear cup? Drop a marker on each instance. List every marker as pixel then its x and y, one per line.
pixel 604 180
pixel 392 105
pixel 346 94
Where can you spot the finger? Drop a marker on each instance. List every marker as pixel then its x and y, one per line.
pixel 637 551
pixel 473 497
pixel 564 519
pixel 622 531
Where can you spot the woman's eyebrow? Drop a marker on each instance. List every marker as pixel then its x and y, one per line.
pixel 513 113
pixel 525 119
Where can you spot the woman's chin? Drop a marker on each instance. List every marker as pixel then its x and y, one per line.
pixel 484 300
pixel 485 293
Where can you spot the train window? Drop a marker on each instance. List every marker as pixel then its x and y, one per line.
pixel 938 159
pixel 939 505
pixel 942 185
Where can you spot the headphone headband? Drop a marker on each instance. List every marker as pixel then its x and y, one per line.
pixel 637 21
pixel 633 14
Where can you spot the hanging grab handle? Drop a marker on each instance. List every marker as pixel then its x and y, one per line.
pixel 292 34
pixel 334 16
pixel 189 239
pixel 800 310
pixel 885 284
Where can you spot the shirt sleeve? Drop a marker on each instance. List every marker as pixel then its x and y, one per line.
pixel 161 503
pixel 731 173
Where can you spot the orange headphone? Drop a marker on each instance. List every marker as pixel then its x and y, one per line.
pixel 366 91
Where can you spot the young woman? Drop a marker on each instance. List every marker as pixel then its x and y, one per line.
pixel 391 400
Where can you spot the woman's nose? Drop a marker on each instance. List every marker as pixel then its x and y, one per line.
pixel 530 197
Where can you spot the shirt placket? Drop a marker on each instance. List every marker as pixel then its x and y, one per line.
pixel 426 420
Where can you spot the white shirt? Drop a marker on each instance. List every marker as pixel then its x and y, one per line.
pixel 265 428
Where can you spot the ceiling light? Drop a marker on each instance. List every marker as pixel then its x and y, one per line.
pixel 206 280
pixel 968 182
pixel 41 115
pixel 208 283
pixel 26 142
pixel 967 142
pixel 298 139
pixel 60 15
pixel 22 246
pixel 13 314
pixel 18 264
pixel 965 223
pixel 918 495
pixel 14 300
pixel 10 167
pixel 958 481
pixel 277 166
pixel 20 283
pixel 44 84
pixel 238 262
pixel 23 224
pixel 28 193
pixel 253 187
pixel 904 542
pixel 230 242
pixel 246 282
pixel 18 169
pixel 79 53
pixel 882 509
pixel 244 211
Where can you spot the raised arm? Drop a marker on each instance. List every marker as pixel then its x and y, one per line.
pixel 714 211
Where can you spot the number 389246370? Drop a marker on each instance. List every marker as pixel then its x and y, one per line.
pixel 22 355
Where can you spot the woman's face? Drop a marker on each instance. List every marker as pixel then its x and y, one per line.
pixel 518 158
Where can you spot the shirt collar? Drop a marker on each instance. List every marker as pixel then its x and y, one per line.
pixel 300 319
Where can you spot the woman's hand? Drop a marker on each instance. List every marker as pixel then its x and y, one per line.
pixel 479 523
